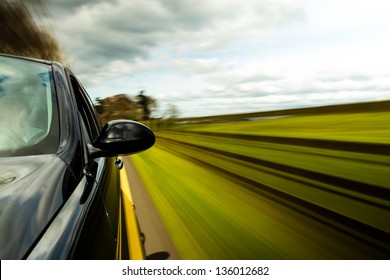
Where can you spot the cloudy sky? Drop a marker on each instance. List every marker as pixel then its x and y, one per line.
pixel 212 57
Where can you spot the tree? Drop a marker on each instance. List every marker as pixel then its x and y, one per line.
pixel 119 106
pixel 146 104
pixel 122 106
pixel 22 35
pixel 172 111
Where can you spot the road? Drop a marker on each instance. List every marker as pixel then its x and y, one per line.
pixel 158 244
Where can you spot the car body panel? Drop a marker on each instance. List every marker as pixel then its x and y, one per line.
pixel 36 192
pixel 77 231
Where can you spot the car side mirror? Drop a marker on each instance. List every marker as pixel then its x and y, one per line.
pixel 122 137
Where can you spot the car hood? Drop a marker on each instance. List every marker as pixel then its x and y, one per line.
pixel 30 195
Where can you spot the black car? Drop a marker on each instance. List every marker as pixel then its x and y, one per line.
pixel 60 193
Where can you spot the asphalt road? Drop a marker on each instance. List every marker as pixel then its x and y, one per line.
pixel 158 244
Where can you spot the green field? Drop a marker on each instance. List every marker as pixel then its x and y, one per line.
pixel 362 127
pixel 292 187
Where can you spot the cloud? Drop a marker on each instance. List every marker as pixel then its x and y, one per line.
pixel 97 32
pixel 228 55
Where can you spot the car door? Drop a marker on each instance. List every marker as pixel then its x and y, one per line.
pixel 98 235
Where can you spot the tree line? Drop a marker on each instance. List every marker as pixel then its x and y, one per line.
pixel 140 108
pixel 122 106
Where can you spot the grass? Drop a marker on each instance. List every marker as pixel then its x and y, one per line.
pixel 373 127
pixel 343 164
pixel 211 203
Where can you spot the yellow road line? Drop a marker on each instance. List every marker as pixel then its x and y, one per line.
pixel 119 235
pixel 133 235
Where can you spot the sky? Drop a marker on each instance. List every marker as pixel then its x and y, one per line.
pixel 212 57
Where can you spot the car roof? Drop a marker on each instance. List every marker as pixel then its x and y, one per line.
pixel 27 58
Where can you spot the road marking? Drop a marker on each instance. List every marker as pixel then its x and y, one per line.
pixel 133 235
pixel 119 235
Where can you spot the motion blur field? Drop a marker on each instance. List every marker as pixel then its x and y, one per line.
pixel 287 187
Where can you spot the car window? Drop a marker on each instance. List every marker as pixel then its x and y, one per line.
pixel 26 107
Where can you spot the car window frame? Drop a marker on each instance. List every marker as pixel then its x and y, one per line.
pixel 86 109
pixel 89 122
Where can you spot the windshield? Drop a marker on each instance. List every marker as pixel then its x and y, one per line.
pixel 26 108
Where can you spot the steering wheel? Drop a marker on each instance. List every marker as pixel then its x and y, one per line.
pixel 13 137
